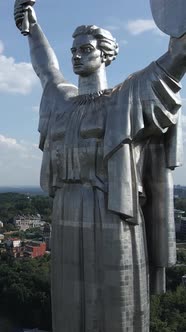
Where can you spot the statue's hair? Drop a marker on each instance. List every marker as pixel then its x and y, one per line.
pixel 106 42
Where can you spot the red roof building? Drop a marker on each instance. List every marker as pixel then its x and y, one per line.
pixel 34 249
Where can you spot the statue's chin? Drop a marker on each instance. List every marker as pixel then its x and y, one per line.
pixel 81 73
pixel 77 70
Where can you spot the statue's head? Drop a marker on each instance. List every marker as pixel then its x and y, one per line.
pixel 92 48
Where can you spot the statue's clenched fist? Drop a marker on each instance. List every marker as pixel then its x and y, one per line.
pixel 24 15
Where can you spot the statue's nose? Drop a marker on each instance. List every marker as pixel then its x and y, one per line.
pixel 77 55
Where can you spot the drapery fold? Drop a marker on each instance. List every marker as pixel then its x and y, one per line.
pixel 146 105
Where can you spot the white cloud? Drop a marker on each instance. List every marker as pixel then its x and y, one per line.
pixel 133 27
pixel 15 77
pixel 20 162
pixel 136 27
pixel 9 142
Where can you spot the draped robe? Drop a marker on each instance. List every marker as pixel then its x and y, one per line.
pixel 107 162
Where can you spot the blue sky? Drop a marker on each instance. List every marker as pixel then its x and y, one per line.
pixel 20 91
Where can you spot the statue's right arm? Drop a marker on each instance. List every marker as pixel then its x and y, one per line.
pixel 43 58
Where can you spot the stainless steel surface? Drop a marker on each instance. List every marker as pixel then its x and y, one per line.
pixel 88 61
pixel 25 29
pixel 108 156
pixel 25 26
pixel 169 15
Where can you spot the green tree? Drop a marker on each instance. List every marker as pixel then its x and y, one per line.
pixel 174 276
pixel 168 311
pixel 12 204
pixel 181 256
pixel 25 289
pixel 180 204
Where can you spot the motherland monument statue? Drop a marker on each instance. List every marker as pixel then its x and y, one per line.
pixel 108 156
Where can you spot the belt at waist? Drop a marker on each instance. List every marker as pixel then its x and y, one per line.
pixel 98 184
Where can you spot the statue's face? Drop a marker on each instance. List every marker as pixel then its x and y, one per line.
pixel 86 57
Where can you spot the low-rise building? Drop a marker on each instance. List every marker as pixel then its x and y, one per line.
pixel 25 222
pixel 34 249
pixel 13 247
pixel 13 242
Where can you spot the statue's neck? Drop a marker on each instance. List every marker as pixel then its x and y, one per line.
pixel 95 82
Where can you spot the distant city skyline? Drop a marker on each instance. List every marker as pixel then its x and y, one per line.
pixel 140 43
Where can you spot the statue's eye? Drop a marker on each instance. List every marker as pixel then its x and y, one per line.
pixel 73 50
pixel 86 49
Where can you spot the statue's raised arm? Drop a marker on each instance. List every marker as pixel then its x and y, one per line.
pixel 43 58
pixel 169 16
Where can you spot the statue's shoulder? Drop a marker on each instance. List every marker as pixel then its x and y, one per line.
pixel 139 79
pixel 55 99
pixel 61 90
pixel 67 90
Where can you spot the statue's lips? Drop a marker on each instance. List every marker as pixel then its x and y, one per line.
pixel 77 65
